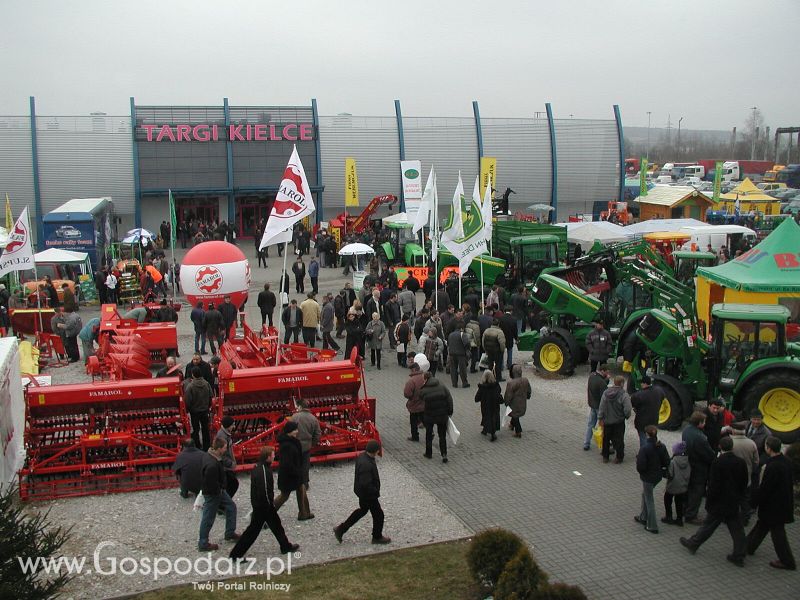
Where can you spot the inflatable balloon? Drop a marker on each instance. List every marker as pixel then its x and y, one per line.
pixel 212 270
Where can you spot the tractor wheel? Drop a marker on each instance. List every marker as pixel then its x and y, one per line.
pixel 671 413
pixel 777 396
pixel 552 355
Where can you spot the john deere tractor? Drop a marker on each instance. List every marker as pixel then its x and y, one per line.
pixel 748 362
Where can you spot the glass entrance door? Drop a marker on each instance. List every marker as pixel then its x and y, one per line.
pixel 249 216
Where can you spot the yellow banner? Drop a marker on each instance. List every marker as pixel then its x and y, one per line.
pixel 350 182
pixel 488 167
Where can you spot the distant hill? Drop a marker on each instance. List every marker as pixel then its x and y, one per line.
pixel 639 134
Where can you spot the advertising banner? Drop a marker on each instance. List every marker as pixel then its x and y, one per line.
pixel 411 171
pixel 643 178
pixel 350 182
pixel 717 181
pixel 488 169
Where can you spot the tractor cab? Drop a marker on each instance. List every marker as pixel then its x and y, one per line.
pixel 685 263
pixel 403 248
pixel 743 334
pixel 532 254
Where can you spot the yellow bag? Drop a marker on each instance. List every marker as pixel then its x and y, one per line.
pixel 597 436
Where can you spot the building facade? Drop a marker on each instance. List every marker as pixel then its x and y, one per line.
pixel 224 162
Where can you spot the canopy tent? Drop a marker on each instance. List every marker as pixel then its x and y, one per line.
pixel 397 221
pixel 769 273
pixel 749 199
pixel 590 233
pixel 747 190
pixel 653 225
pixel 56 255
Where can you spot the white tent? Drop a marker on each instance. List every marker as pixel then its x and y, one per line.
pixel 653 225
pixel 56 255
pixel 590 233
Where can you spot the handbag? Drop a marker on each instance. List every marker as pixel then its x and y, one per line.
pixel 483 363
pixel 597 436
pixel 452 431
pixel 506 417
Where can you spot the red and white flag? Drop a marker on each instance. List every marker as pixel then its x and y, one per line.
pixel 292 203
pixel 18 252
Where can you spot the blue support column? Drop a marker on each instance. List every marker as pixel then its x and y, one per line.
pixel 315 117
pixel 37 190
pixel 478 131
pixel 402 143
pixel 137 187
pixel 553 165
pixel 229 155
pixel 621 138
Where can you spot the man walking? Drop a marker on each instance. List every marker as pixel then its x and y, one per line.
pixel 494 344
pixel 262 496
pixel 438 409
pixel 309 433
pixel 367 486
pixel 213 325
pixel 599 345
pixel 459 344
pixel 651 463
pixel 229 312
pixel 775 501
pixel 327 323
pixel 614 409
pixel 313 274
pixel 414 403
pixel 292 322
pixel 597 384
pixel 197 396
pixel 266 304
pixel 228 460
pixel 726 485
pixel 311 316
pixel 646 403
pixel 700 458
pixel 216 498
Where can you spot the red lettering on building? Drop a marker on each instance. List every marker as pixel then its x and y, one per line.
pixel 149 130
pixel 306 132
pixel 235 133
pixel 273 135
pixel 261 133
pixel 205 132
pixel 183 133
pixel 200 133
pixel 292 137
pixel 166 131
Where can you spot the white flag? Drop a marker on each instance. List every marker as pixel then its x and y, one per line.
pixel 18 253
pixel 293 202
pixel 476 192
pixel 421 218
pixel 472 243
pixel 486 210
pixel 434 219
pixel 455 223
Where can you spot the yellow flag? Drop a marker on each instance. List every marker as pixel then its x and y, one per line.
pixel 350 182
pixel 9 218
pixel 488 171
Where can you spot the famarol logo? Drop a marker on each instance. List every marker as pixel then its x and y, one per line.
pixel 208 279
pixel 411 173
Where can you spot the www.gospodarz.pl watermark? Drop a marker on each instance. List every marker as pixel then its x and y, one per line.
pixel 156 567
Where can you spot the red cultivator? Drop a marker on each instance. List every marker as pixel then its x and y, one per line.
pixel 98 438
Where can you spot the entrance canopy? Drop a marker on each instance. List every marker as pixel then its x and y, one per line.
pixel 55 255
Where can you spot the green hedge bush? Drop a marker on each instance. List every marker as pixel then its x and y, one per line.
pixel 489 552
pixel 521 577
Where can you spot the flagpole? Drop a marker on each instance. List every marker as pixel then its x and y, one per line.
pixel 280 295
pixel 483 296
pixel 173 222
pixel 36 279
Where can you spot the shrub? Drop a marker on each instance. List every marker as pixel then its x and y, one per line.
pixel 489 552
pixel 558 591
pixel 521 577
pixel 29 536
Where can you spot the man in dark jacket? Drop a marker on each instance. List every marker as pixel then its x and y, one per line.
pixel 438 409
pixel 458 345
pixel 367 486
pixel 646 403
pixel 651 463
pixel 290 466
pixel 197 396
pixel 519 308
pixel 597 384
pixel 266 304
pixel 700 457
pixel 215 498
pixel 727 483
pixel 188 468
pixel 213 325
pixel 229 313
pixel 205 370
pixel 262 498
pixel 428 287
pixel 758 432
pixel 292 319
pixel 508 323
pixel 199 332
pixel 775 502
pixel 473 299
pixel 391 315
pixel 715 414
pixel 228 460
pixel 327 323
pixel 599 345
pixel 166 313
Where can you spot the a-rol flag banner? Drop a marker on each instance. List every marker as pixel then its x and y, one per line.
pixel 411 171
pixel 292 203
pixel 488 172
pixel 643 177
pixel 18 253
pixel 350 182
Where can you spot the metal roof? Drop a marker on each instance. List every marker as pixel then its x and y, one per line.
pixel 670 195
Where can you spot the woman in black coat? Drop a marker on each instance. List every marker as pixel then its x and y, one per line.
pixel 490 397
pixel 355 335
pixel 290 466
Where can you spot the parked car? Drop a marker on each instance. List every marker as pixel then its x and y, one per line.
pixel 792 208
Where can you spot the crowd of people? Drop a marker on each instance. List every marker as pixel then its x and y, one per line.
pixel 737 466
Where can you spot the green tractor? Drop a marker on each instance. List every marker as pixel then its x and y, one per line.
pixel 402 248
pixel 748 362
pixel 686 262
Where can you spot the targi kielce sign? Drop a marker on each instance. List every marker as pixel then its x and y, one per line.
pixel 250 132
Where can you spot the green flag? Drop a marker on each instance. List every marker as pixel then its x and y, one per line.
pixel 173 222
pixel 717 181
pixel 643 177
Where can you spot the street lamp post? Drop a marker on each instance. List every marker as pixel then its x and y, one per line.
pixel 647 153
pixel 753 133
pixel 679 138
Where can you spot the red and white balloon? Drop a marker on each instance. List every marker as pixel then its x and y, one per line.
pixel 212 270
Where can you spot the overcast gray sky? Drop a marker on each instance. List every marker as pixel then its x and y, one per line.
pixel 708 61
